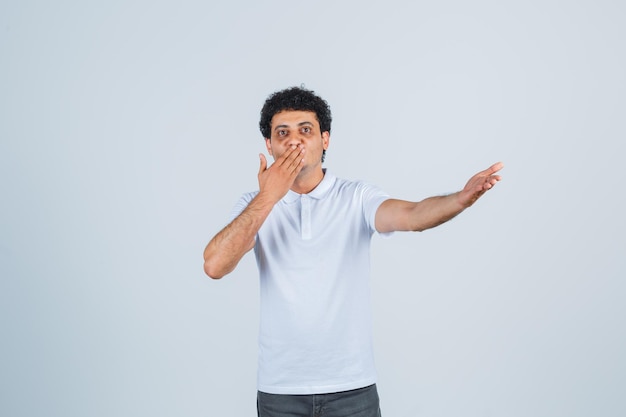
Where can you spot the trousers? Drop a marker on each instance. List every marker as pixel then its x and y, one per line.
pixel 362 402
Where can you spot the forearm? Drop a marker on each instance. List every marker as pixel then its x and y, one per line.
pixel 400 215
pixel 433 211
pixel 226 249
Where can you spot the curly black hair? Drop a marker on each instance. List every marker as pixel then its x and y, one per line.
pixel 295 98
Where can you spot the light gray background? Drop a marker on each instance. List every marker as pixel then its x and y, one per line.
pixel 129 129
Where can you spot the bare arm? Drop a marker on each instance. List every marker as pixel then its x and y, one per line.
pixel 226 249
pixel 399 215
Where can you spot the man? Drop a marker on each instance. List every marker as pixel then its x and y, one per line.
pixel 311 234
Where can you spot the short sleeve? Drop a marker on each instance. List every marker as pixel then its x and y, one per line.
pixel 373 197
pixel 241 205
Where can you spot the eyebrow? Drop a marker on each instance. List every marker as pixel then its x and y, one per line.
pixel 299 124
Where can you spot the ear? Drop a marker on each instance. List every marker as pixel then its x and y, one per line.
pixel 268 145
pixel 325 139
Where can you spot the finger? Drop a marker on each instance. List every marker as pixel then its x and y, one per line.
pixel 289 153
pixel 491 181
pixel 298 161
pixel 294 157
pixel 494 168
pixel 297 167
pixel 263 163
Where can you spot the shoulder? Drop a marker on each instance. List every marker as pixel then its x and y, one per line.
pixel 247 197
pixel 242 203
pixel 350 184
pixel 358 187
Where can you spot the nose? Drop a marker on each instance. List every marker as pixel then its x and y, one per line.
pixel 295 140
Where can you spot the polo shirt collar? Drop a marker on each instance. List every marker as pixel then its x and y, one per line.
pixel 317 193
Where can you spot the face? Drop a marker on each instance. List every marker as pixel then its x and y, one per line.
pixel 295 127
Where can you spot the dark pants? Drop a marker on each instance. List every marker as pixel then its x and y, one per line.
pixel 362 402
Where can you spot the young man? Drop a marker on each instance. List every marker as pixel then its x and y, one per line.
pixel 311 234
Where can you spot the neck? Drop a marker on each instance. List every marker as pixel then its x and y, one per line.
pixel 306 181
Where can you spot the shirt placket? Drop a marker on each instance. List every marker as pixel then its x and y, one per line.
pixel 305 217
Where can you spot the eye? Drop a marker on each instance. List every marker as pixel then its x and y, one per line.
pixel 282 133
pixel 306 129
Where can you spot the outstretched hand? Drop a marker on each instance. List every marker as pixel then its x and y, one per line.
pixel 276 180
pixel 479 184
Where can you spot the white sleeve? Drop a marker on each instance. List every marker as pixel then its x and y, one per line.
pixel 373 197
pixel 241 205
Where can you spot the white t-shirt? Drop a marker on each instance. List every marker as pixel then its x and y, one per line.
pixel 312 252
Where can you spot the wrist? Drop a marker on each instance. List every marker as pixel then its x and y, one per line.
pixel 459 201
pixel 267 199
